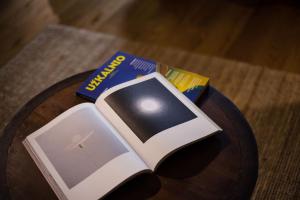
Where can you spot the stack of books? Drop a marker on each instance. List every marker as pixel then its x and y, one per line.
pixel 123 67
pixel 92 148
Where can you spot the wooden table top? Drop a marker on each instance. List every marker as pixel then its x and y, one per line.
pixel 224 166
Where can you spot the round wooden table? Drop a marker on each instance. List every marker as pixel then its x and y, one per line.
pixel 224 166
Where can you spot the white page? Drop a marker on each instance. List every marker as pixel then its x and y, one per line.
pixel 174 122
pixel 84 154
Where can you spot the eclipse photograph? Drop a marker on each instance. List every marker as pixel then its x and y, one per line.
pixel 148 108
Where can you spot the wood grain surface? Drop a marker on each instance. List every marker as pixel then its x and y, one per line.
pixel 269 99
pixel 261 32
pixel 224 166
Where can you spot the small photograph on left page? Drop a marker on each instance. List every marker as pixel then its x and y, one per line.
pixel 77 151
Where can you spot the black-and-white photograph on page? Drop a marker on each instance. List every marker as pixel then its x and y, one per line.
pixel 78 151
pixel 148 108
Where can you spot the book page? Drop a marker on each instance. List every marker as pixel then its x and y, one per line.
pixel 83 153
pixel 154 117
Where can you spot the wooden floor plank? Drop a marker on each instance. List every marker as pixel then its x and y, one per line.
pixel 274 44
pixel 260 32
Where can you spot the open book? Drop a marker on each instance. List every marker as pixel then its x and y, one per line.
pixel 92 148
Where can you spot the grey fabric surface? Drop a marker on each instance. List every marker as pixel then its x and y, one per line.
pixel 269 99
pixel 57 53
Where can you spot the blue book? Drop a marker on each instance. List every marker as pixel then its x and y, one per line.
pixel 123 67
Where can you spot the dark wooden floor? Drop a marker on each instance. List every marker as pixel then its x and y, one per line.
pixel 259 32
